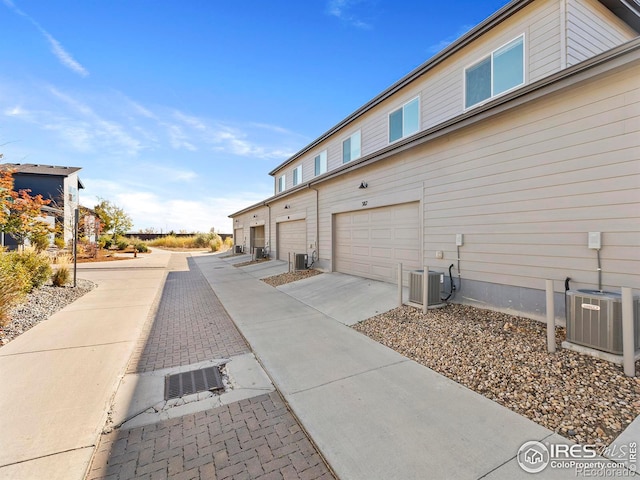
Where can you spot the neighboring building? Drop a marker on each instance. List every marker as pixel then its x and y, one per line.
pixel 523 136
pixel 59 184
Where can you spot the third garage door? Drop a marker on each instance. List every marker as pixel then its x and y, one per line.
pixel 370 243
pixel 292 237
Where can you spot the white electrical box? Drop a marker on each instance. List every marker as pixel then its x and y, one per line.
pixel 459 239
pixel 595 240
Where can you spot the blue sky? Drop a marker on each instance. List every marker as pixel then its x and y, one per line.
pixel 177 110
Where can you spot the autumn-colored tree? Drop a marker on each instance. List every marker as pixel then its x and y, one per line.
pixel 113 219
pixel 24 218
pixel 6 187
pixel 20 213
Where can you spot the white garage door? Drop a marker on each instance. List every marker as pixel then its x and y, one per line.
pixel 292 237
pixel 370 243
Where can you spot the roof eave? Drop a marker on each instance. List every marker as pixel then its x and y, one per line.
pixel 479 30
pixel 517 97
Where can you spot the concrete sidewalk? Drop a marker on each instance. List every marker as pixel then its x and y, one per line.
pixel 58 378
pixel 372 412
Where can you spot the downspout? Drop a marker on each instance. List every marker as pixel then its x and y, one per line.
pixel 317 221
pixel 269 207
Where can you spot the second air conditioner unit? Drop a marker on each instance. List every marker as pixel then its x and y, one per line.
pixel 415 287
pixel 594 319
pixel 301 261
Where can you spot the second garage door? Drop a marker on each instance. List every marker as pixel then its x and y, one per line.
pixel 292 237
pixel 370 243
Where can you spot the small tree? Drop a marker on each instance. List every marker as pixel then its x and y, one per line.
pixel 113 219
pixel 20 213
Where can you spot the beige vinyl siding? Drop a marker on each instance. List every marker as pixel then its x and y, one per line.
pixel 524 188
pixel 592 29
pixel 441 89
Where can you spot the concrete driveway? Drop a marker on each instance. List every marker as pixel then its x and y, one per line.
pixel 345 298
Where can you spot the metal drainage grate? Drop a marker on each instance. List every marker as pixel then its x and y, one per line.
pixel 186 383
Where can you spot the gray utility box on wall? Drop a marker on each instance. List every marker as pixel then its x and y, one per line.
pixel 415 287
pixel 594 319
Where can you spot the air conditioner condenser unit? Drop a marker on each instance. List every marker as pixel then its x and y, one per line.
pixel 594 319
pixel 415 287
pixel 301 261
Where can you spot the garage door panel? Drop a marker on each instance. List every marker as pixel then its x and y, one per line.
pixel 292 238
pixel 383 216
pixel 407 255
pixel 380 252
pixel 360 218
pixel 371 243
pixel 380 271
pixel 360 235
pixel 382 234
pixel 406 234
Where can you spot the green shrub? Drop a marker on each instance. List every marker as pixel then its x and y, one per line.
pixel 62 275
pixel 122 244
pixel 228 243
pixel 59 242
pixel 215 243
pixel 141 247
pixel 13 287
pixel 202 240
pixel 32 265
pixel 40 242
pixel 105 241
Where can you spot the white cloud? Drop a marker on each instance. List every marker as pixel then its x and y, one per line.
pixel 56 47
pixel 178 139
pixel 442 44
pixel 343 10
pixel 151 210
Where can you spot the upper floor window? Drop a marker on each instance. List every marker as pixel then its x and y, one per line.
pixel 351 148
pixel 405 120
pixel 297 175
pixel 320 163
pixel 496 73
pixel 282 182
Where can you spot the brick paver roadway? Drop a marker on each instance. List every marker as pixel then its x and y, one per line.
pixel 257 438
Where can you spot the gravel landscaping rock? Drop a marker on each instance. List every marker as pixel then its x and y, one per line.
pixel 505 359
pixel 283 278
pixel 40 305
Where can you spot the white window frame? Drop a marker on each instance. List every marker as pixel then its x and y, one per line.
pixel 282 183
pixel 352 158
pixel 490 55
pixel 320 161
pixel 404 133
pixel 297 175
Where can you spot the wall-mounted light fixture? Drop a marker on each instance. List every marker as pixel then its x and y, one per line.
pixel 255 215
pixel 287 206
pixel 363 184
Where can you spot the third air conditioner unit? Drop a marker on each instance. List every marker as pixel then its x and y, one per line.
pixel 415 287
pixel 239 248
pixel 301 261
pixel 594 319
